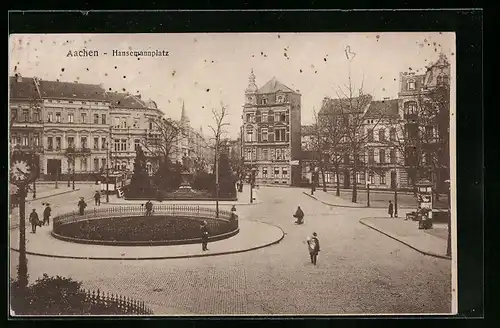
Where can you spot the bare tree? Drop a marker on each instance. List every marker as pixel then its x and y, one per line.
pixel 159 142
pixel 218 130
pixel 351 105
pixel 320 145
pixel 332 128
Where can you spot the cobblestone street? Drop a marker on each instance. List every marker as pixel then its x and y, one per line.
pixel 359 270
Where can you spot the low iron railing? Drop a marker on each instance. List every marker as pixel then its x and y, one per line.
pixel 140 210
pixel 102 303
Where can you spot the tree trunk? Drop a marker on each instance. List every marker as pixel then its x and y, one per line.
pixel 337 176
pixel 323 176
pixel 354 184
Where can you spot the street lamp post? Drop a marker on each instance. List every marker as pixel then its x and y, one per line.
pixel 395 200
pixel 367 193
pixel 107 172
pixel 73 173
pixel 23 262
pixel 252 183
pixel 69 171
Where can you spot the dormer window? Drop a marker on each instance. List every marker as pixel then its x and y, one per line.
pixel 279 99
pixel 411 85
pixel 264 101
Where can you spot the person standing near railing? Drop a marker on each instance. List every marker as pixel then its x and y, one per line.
pixel 81 206
pixel 204 236
pixel 149 208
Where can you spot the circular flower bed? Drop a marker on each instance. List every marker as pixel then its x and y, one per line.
pixel 141 230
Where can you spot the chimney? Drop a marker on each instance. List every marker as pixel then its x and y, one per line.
pixel 19 78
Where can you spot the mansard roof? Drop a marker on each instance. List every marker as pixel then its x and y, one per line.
pixel 387 108
pixel 25 88
pixel 125 100
pixel 72 90
pixel 273 86
pixel 355 105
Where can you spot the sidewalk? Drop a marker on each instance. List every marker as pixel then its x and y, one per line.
pixel 58 199
pixel 376 201
pixel 252 235
pixel 430 242
pixel 243 199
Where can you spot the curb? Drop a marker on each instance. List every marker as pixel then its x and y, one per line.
pixel 404 243
pixel 159 257
pixel 353 206
pixel 190 204
pixel 57 194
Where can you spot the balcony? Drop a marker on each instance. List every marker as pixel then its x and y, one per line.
pixel 28 149
pixel 73 151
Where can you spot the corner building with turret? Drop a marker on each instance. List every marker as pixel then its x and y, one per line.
pixel 271 132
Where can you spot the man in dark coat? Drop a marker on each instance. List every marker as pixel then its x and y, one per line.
pixel 34 220
pixel 81 206
pixel 97 198
pixel 391 208
pixel 313 244
pixel 149 208
pixel 299 215
pixel 46 214
pixel 204 236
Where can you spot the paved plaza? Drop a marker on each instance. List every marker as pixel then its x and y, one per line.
pixel 360 270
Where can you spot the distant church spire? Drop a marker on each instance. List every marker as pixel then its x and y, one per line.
pixel 184 117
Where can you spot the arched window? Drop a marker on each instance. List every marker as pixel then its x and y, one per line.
pixel 149 168
pixel 124 166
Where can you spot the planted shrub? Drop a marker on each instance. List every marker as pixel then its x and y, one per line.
pixel 49 296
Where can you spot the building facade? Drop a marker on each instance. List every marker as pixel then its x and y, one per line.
pixel 401 140
pixel 271 132
pixel 424 110
pixel 26 115
pixel 131 120
pixel 78 129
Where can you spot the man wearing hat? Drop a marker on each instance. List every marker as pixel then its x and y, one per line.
pixel 46 214
pixel 34 220
pixel 81 206
pixel 204 236
pixel 313 244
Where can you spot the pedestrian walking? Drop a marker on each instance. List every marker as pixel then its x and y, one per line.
pixel 46 214
pixel 391 208
pixel 313 245
pixel 149 208
pixel 233 213
pixel 204 235
pixel 34 220
pixel 299 215
pixel 81 206
pixel 97 198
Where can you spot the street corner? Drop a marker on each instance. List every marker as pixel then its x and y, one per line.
pixel 408 233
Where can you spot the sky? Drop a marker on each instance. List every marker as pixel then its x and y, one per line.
pixel 204 69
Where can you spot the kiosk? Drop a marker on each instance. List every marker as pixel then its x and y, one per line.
pixel 424 203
